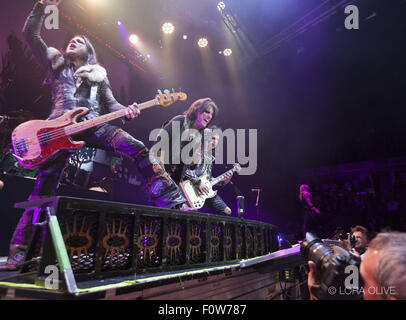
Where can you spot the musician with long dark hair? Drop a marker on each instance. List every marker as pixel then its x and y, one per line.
pixel 203 165
pixel 192 122
pixel 76 80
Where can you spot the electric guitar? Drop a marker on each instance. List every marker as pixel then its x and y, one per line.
pixel 194 197
pixel 38 141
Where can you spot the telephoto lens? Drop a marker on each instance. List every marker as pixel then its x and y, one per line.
pixel 332 266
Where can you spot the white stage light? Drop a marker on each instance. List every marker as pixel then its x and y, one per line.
pixel 168 28
pixel 202 42
pixel 133 39
pixel 227 52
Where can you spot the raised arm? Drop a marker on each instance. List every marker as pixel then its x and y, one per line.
pixel 307 197
pixel 31 33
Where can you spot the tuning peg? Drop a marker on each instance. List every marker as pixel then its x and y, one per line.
pixel 166 91
pixel 159 91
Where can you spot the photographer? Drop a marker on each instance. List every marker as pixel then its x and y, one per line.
pixel 383 270
pixel 356 241
pixel 361 236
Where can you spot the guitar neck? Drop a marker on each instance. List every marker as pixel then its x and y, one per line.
pixel 221 177
pixel 87 124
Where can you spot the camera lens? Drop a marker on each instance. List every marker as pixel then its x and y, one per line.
pixel 330 262
pixel 315 250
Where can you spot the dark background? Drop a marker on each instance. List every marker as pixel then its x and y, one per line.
pixel 328 96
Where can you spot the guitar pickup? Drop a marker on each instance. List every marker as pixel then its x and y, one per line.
pixel 44 138
pixel 21 146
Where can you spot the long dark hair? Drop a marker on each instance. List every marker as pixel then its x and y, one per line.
pixel 200 106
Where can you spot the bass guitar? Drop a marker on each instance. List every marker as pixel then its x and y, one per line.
pixel 38 141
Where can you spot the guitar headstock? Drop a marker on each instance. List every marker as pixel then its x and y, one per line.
pixel 237 167
pixel 166 99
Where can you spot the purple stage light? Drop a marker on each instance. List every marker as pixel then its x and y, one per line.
pixel 119 23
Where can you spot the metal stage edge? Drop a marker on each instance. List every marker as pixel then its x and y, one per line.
pixel 123 287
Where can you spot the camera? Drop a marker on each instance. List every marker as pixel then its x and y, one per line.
pixel 345 236
pixel 331 262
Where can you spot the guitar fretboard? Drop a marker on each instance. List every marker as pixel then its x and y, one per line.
pixel 87 124
pixel 221 177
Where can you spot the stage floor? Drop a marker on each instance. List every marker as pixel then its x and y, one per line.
pixel 247 279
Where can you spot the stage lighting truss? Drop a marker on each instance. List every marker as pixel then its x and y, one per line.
pixel 132 56
pixel 303 24
pixel 202 42
pixel 168 28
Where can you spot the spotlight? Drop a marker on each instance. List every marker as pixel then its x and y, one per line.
pixel 119 23
pixel 220 52
pixel 221 6
pixel 148 56
pixel 184 37
pixel 133 39
pixel 202 42
pixel 227 52
pixel 168 28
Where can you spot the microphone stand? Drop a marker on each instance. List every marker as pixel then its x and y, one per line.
pixel 257 202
